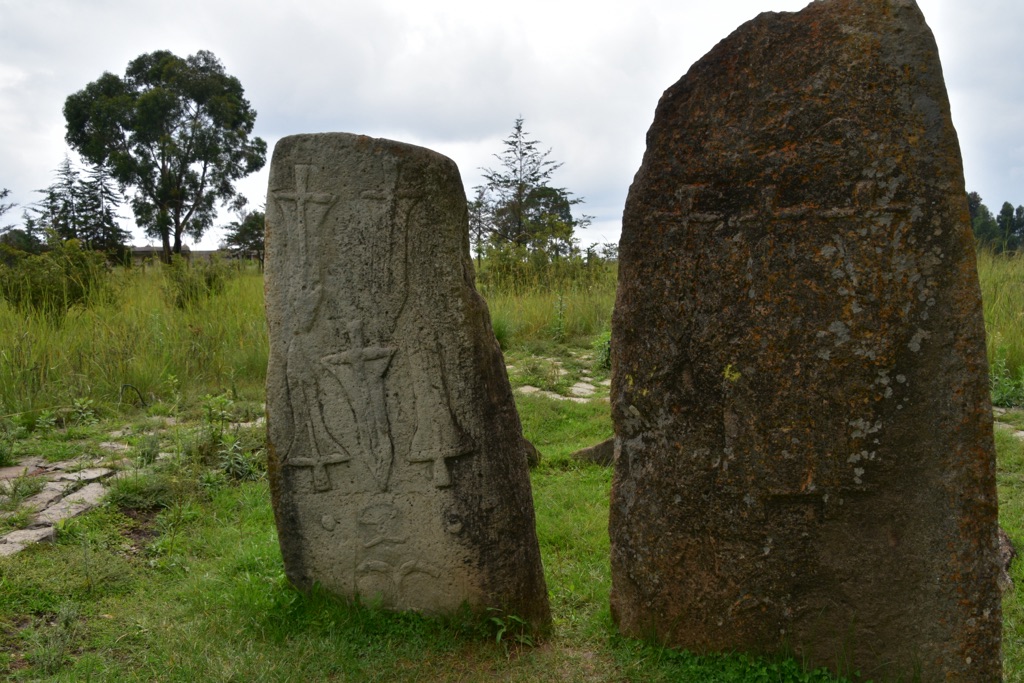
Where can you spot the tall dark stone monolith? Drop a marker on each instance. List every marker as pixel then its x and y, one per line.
pixel 397 463
pixel 800 392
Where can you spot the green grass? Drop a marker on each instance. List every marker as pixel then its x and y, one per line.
pixel 134 344
pixel 1002 289
pixel 196 592
pixel 179 577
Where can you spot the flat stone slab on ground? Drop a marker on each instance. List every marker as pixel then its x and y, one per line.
pixel 26 536
pixel 27 466
pixel 51 493
pixel 10 549
pixel 92 474
pixel 584 389
pixel 72 505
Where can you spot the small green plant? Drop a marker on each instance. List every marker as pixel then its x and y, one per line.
pixel 7 458
pixel 16 490
pixel 171 523
pixel 45 421
pixel 509 628
pixel 603 350
pixel 1007 391
pixel 146 450
pixel 217 410
pixel 52 642
pixel 238 463
pixel 559 331
pixel 173 388
pixel 211 481
pixel 19 518
pixel 141 491
pixel 83 412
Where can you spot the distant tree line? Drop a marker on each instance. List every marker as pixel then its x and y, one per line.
pixel 1002 232
pixel 81 204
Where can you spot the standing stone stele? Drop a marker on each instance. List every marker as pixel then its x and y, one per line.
pixel 397 463
pixel 804 452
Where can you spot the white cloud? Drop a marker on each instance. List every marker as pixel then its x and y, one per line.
pixel 452 75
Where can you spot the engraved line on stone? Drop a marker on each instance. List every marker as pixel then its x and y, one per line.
pixel 383 522
pixel 397 575
pixel 361 371
pixel 317 461
pixel 438 437
pixel 302 197
pixel 384 195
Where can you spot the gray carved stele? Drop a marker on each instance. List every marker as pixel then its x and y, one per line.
pixel 397 462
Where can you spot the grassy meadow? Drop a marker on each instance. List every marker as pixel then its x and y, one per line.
pixel 178 577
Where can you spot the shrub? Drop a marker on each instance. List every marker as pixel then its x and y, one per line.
pixel 52 282
pixel 187 284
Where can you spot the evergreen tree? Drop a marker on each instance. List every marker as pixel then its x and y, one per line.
pixel 479 222
pixel 1006 223
pixel 5 207
pixel 518 205
pixel 986 230
pixel 83 209
pixel 245 236
pixel 100 228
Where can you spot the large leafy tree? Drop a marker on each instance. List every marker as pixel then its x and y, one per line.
pixel 519 205
pixel 178 131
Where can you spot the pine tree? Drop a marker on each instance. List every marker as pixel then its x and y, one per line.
pixel 83 209
pixel 518 205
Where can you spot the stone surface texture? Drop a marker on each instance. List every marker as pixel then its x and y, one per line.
pixel 75 504
pixel 397 463
pixel 800 389
pixel 598 454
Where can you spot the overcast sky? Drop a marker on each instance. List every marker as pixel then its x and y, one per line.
pixel 453 75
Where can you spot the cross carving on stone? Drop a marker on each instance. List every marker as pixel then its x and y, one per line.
pixel 318 463
pixel 361 371
pixel 321 481
pixel 303 198
pixel 441 477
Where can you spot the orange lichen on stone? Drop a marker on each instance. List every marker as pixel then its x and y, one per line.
pixel 819 252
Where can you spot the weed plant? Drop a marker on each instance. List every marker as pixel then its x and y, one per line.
pixel 136 339
pixel 51 283
pixel 187 284
pixel 1002 289
pixel 529 309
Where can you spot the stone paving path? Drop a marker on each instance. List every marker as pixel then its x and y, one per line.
pixel 71 488
pixel 582 391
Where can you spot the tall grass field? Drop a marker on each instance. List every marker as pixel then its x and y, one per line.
pixel 178 577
